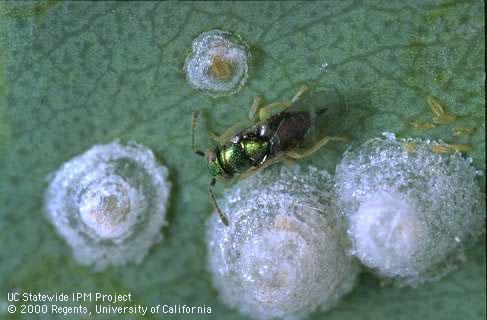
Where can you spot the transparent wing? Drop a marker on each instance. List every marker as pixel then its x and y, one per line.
pixel 328 110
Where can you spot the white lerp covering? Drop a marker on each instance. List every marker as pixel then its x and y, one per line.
pixel 223 46
pixel 109 203
pixel 410 211
pixel 284 253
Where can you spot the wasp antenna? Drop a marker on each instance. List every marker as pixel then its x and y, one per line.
pixel 196 115
pixel 223 217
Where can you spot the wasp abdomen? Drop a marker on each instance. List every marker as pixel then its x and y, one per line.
pixel 290 129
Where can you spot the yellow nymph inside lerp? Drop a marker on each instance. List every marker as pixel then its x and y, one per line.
pixel 218 63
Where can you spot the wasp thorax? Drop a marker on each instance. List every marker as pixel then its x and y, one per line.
pixel 410 212
pixel 109 203
pixel 284 253
pixel 218 63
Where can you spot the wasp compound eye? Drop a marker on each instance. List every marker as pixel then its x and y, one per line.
pixel 284 253
pixel 214 166
pixel 218 63
pixel 109 203
pixel 410 211
pixel 210 155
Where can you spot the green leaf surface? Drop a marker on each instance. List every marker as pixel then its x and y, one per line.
pixel 75 74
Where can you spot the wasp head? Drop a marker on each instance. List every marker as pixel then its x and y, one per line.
pixel 214 166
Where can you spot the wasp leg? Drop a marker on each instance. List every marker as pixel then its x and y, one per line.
pixel 313 149
pixel 223 217
pixel 300 92
pixel 196 115
pixel 254 108
pixel 262 113
pixel 271 109
pixel 229 133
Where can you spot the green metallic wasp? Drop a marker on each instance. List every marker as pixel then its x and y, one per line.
pixel 278 131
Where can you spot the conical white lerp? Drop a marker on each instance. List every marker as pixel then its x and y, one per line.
pixel 284 253
pixel 410 211
pixel 109 203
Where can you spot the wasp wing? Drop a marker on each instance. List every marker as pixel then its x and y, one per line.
pixel 327 109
